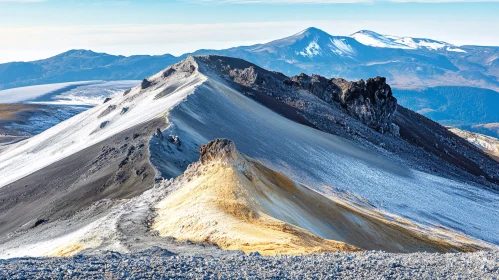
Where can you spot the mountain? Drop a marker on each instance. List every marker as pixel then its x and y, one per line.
pixel 406 62
pixel 426 74
pixel 81 65
pixel 136 172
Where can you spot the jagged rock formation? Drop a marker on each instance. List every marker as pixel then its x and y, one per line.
pixel 371 102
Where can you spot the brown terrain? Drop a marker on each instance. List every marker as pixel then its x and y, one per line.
pixel 239 204
pixel 10 113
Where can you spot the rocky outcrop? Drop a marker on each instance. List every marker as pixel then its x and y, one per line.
pixel 247 76
pixel 371 102
pixel 319 86
pixel 218 149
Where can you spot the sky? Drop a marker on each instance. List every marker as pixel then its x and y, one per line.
pixel 37 29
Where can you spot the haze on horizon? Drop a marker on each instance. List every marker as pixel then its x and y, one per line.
pixel 37 29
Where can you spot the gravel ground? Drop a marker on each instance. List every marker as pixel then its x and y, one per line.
pixel 161 264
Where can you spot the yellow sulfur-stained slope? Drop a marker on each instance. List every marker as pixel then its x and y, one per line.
pixel 239 204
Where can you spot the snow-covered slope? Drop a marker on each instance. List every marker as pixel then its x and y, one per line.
pixel 21 94
pixel 91 127
pixel 370 38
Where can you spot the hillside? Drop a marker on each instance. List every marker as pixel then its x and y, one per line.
pixel 81 65
pixel 108 177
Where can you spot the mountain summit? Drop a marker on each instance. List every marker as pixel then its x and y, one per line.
pixel 313 43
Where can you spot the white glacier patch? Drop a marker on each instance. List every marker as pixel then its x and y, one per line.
pixel 339 47
pixel 313 49
pixel 373 39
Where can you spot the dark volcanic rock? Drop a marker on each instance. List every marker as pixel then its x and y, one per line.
pixel 104 124
pixel 108 110
pixel 168 72
pixel 174 140
pixel 319 86
pixel 371 102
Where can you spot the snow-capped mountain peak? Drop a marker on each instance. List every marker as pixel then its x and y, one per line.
pixel 312 44
pixel 373 39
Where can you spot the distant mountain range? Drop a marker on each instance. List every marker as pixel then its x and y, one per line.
pixel 413 63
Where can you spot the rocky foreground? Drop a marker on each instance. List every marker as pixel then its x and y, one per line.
pixel 159 263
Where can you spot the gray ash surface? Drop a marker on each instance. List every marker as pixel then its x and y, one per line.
pixel 157 263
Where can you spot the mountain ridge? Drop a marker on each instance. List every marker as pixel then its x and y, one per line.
pixel 310 51
pixel 90 183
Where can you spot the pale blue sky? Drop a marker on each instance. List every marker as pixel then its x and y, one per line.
pixel 33 29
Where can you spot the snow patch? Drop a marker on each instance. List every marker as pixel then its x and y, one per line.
pixel 374 39
pixel 313 49
pixel 90 93
pixel 377 41
pixel 450 49
pixel 340 47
